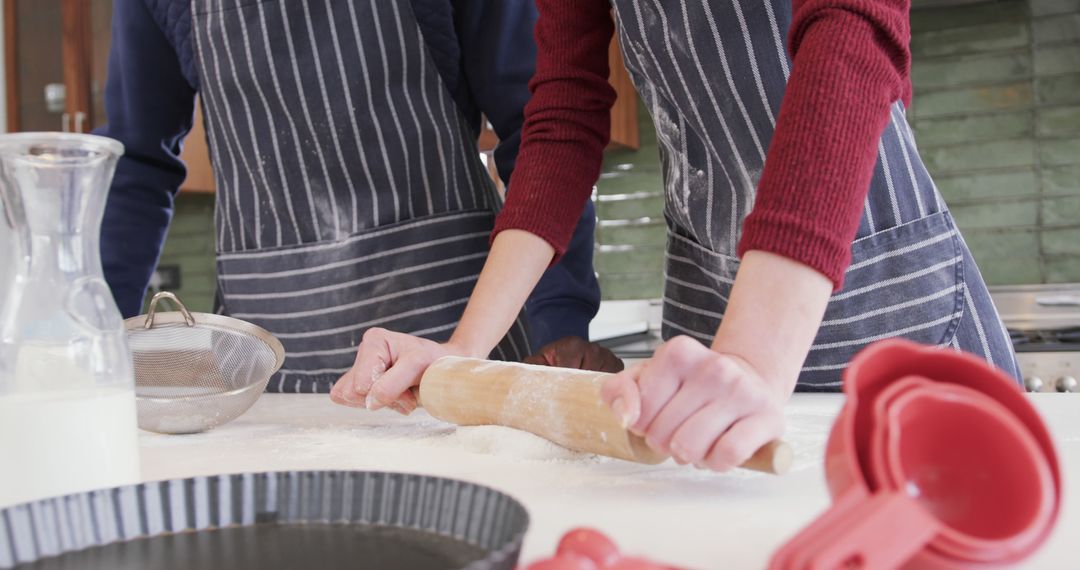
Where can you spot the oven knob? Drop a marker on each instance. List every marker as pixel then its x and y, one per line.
pixel 1067 384
pixel 1033 384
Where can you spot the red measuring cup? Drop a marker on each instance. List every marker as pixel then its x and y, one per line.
pixel 967 460
pixel 937 460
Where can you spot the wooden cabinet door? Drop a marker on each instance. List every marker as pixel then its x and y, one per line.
pixel 34 65
pixel 65 43
pixel 54 77
pixel 56 55
pixel 624 113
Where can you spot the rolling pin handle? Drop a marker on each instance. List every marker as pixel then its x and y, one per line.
pixel 774 457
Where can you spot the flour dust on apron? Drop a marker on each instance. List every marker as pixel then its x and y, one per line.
pixel 348 194
pixel 713 75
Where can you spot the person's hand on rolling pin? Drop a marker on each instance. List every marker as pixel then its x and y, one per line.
pixel 397 361
pixel 576 352
pixel 701 407
pixel 714 406
pixel 387 365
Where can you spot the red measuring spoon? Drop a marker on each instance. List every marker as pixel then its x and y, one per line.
pixel 921 426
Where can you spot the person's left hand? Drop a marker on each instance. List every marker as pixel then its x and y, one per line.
pixel 704 408
pixel 387 370
pixel 576 352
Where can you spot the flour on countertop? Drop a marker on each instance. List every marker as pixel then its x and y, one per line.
pixel 348 438
pixel 407 434
pixel 509 443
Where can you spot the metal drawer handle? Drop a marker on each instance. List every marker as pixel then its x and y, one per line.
pixel 1058 301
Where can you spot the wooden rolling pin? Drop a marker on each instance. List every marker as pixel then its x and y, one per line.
pixel 559 404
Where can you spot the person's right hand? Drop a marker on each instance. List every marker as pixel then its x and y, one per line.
pixel 705 408
pixel 388 365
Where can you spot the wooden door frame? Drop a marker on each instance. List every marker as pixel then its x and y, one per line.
pixel 624 113
pixel 75 45
pixel 11 60
pixel 75 41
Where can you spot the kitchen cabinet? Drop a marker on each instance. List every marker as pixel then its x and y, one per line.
pixel 624 130
pixel 56 56
pixel 624 113
pixel 55 59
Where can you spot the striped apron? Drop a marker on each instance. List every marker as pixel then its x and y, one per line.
pixel 349 191
pixel 713 74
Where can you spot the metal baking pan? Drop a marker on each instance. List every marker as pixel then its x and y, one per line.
pixel 265 521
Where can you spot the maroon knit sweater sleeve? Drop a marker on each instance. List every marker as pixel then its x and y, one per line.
pixel 567 121
pixel 850 63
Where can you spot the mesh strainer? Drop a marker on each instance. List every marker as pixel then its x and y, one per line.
pixel 196 371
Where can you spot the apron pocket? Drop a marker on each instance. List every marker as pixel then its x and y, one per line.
pixel 318 299
pixel 696 289
pixel 907 281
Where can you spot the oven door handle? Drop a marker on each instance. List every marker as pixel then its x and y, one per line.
pixel 1058 301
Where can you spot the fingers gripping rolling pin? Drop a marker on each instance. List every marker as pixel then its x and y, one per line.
pixel 559 404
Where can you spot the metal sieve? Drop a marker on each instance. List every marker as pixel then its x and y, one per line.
pixel 197 371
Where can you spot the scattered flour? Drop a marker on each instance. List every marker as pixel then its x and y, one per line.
pixel 344 437
pixel 405 435
pixel 509 443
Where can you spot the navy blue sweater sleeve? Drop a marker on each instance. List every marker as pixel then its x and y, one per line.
pixel 498 55
pixel 150 107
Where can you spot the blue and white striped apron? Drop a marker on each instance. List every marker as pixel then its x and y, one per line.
pixel 350 193
pixel 713 74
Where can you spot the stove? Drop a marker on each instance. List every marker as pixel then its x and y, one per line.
pixel 1044 324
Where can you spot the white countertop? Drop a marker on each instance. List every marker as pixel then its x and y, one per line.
pixel 669 513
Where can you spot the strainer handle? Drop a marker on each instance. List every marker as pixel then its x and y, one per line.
pixel 175 301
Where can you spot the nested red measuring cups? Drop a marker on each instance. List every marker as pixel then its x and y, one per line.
pixel 937 460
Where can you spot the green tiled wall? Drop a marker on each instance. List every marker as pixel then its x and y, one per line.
pixel 997 118
pixel 996 115
pixel 190 245
pixel 631 234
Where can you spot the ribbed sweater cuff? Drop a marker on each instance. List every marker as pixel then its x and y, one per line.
pixel 798 239
pixel 549 215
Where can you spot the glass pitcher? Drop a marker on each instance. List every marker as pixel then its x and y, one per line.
pixel 67 401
